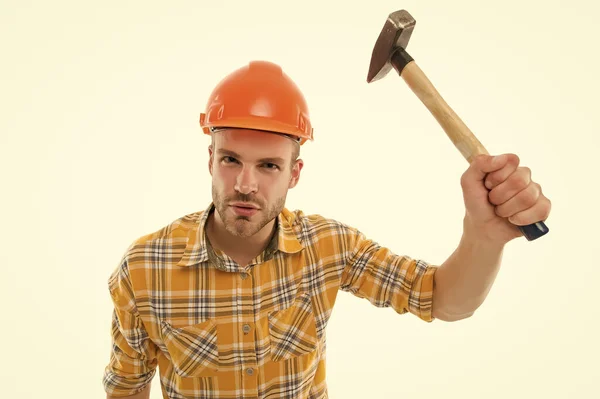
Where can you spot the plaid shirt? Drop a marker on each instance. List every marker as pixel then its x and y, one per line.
pixel 218 330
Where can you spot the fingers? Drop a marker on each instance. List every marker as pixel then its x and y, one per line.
pixel 518 202
pixel 512 191
pixel 496 177
pixel 538 212
pixel 519 180
pixel 480 167
pixel 515 195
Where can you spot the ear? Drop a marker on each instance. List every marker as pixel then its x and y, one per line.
pixel 210 160
pixel 298 165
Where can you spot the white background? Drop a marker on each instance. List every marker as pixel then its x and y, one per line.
pixel 100 144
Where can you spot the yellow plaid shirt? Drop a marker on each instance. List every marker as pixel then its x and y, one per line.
pixel 218 330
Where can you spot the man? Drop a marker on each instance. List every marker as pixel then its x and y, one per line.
pixel 233 301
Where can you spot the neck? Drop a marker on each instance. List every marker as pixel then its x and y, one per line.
pixel 234 246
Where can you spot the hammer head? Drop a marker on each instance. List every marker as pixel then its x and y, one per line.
pixel 395 33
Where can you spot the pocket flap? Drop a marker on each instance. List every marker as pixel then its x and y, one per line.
pixel 293 330
pixel 193 349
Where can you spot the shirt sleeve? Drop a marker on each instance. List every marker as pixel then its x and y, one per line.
pixel 387 279
pixel 133 356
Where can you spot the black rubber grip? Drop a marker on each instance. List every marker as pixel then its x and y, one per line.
pixel 534 231
pixel 399 59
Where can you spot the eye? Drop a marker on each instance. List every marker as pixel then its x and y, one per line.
pixel 228 159
pixel 271 166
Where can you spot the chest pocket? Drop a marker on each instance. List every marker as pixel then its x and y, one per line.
pixel 292 331
pixel 193 349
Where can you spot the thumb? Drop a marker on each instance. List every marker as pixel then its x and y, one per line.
pixel 480 167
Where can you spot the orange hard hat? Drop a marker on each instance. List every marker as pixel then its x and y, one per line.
pixel 258 96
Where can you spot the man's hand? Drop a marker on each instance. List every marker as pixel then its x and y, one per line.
pixel 500 195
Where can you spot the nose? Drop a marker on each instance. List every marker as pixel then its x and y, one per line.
pixel 246 181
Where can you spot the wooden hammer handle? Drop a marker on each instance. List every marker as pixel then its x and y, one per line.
pixel 462 137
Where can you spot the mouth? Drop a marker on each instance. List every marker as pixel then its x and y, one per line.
pixel 244 205
pixel 243 209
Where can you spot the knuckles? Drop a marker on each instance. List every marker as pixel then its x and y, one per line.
pixel 520 179
pixel 516 182
pixel 511 189
pixel 524 200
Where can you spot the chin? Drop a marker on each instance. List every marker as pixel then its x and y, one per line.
pixel 241 227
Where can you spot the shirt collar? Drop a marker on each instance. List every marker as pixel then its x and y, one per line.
pixel 198 249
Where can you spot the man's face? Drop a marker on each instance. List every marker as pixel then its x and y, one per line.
pixel 252 168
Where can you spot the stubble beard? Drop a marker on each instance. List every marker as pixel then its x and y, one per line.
pixel 243 226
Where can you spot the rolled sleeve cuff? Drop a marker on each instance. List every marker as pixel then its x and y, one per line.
pixel 120 386
pixel 420 301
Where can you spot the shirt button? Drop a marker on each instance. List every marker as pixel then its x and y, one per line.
pixel 246 328
pixel 244 276
pixel 250 371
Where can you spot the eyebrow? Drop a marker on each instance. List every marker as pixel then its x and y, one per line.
pixel 276 160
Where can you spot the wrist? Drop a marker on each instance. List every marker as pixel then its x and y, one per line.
pixel 475 235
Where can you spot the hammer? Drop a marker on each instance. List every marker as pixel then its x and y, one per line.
pixel 390 52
